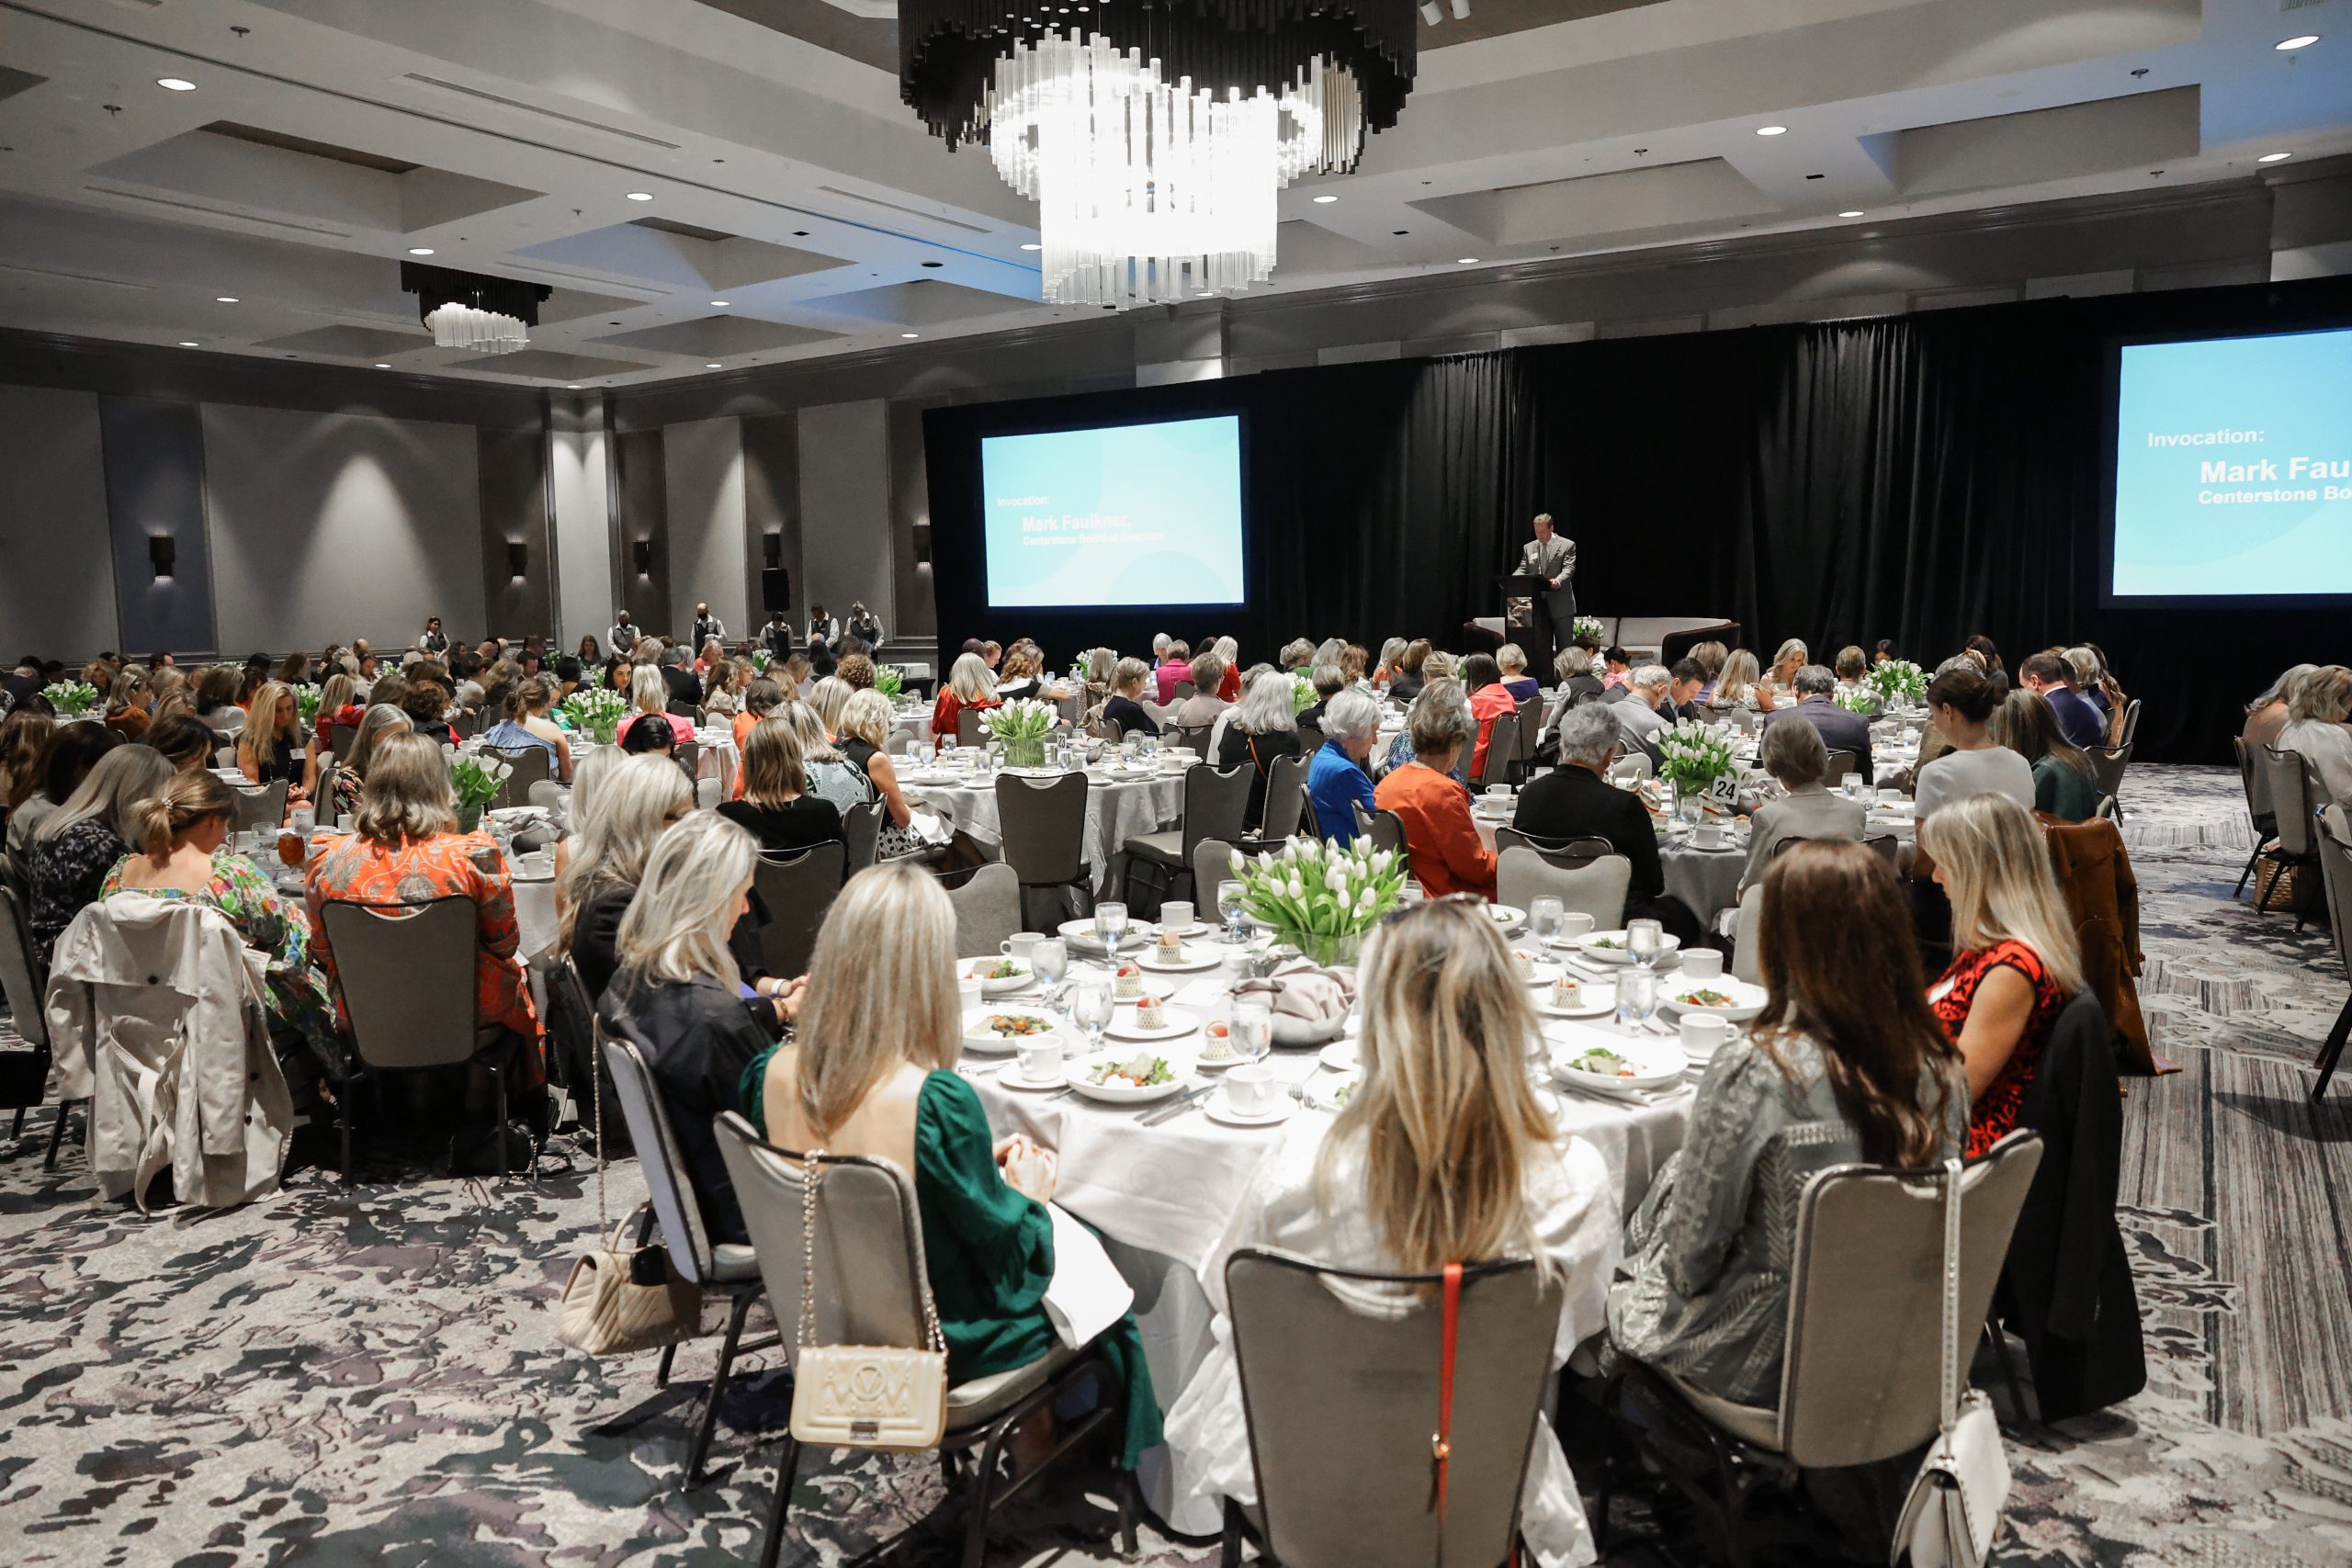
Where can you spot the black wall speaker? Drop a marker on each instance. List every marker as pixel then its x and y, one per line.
pixel 771 549
pixel 643 553
pixel 776 589
pixel 518 557
pixel 161 551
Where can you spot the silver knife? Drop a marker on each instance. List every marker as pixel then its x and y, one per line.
pixel 1175 1108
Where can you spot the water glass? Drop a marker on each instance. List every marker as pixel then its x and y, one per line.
pixel 1644 941
pixel 1253 1028
pixel 1049 956
pixel 1110 923
pixel 1543 917
pixel 1091 1008
pixel 1851 787
pixel 1228 906
pixel 1636 994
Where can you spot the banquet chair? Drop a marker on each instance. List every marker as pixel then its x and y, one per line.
pixel 1597 888
pixel 17 983
pixel 2334 840
pixel 2291 799
pixel 229 723
pixel 1195 736
pixel 2131 731
pixel 1310 735
pixel 1503 751
pixel 988 908
pixel 862 832
pixel 797 890
pixel 264 807
pixel 406 976
pixel 1862 1377
pixel 1179 692
pixel 1285 798
pixel 871 1288
pixel 2255 777
pixel 1332 1389
pixel 225 756
pixel 1840 765
pixel 1042 827
pixel 728 1269
pixel 322 806
pixel 1216 806
pixel 1564 854
pixel 2108 764
pixel 342 737
pixel 970 730
pixel 1212 863
pixel 466 723
pixel 531 765
pixel 1531 727
pixel 1387 831
pixel 1747 950
pixel 1633 765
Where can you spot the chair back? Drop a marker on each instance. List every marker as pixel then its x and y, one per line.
pixel 406 973
pixel 263 807
pixel 1597 888
pixel 229 722
pixel 1633 765
pixel 1195 735
pixel 225 756
pixel 1747 951
pixel 2291 799
pixel 1385 828
pixel 1285 797
pixel 532 766
pixel 970 730
pixel 323 805
pixel 1531 724
pixel 1502 749
pixel 797 890
pixel 2131 731
pixel 1217 804
pixel 1863 1376
pixel 1340 1372
pixel 2108 764
pixel 689 757
pixel 1043 825
pixel 17 972
pixel 668 1186
pixel 1212 863
pixel 1310 735
pixel 466 723
pixel 988 910
pixel 1179 692
pixel 341 739
pixel 2253 775
pixel 1840 765
pixel 870 1284
pixel 2334 840
pixel 1567 854
pixel 862 833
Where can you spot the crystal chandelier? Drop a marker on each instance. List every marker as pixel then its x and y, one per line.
pixel 1154 138
pixel 471 311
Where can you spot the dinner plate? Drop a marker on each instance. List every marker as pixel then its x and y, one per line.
pixel 1180 1069
pixel 979 1036
pixel 1340 1057
pixel 1506 914
pixel 1746 1000
pixel 1588 946
pixel 1219 1108
pixel 1657 1063
pixel 1196 958
pixel 1180 1023
pixel 1137 931
pixel 1198 928
pixel 976 968
pixel 1599 1000
pixel 1330 1091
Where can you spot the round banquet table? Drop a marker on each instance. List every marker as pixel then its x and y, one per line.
pixel 717 759
pixel 910 724
pixel 1707 880
pixel 1117 807
pixel 1162 1195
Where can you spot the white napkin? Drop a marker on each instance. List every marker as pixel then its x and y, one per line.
pixel 1203 993
pixel 1086 1294
pixel 929 827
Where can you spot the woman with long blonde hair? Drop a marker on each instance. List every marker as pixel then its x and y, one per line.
pixel 2015 960
pixel 270 747
pixel 1444 1154
pixel 1780 682
pixel 620 809
pixel 968 685
pixel 871 1071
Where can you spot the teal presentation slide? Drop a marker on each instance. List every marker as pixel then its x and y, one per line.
pixel 1123 515
pixel 2233 467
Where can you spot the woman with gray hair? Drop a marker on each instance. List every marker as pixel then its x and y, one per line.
pixel 1262 731
pixel 1793 753
pixel 1201 708
pixel 1336 780
pixel 1442 841
pixel 86 837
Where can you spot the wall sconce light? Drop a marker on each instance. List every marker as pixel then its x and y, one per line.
pixel 922 544
pixel 772 548
pixel 643 552
pixel 518 557
pixel 161 551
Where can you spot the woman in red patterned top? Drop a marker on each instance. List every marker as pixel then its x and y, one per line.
pixel 2015 961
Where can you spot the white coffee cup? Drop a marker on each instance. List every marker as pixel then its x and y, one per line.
pixel 1701 964
pixel 1708 836
pixel 1703 1034
pixel 1250 1089
pixel 1018 945
pixel 1041 1057
pixel 968 992
pixel 1889 797
pixel 1498 792
pixel 1575 923
pixel 1176 915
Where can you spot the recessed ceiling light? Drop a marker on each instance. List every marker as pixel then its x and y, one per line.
pixel 1325 200
pixel 1032 247
pixel 1465 261
pixel 935 264
pixel 1852 212
pixel 712 365
pixel 571 386
pixel 641 196
pixel 1771 130
pixel 381 366
pixel 420 249
pixel 224 298
pixel 910 334
pixel 176 83
pixel 2274 157
pixel 188 343
pixel 2301 40
pixel 718 304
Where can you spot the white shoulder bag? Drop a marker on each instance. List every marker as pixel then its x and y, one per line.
pixel 1954 1508
pixel 619 1297
pixel 862 1396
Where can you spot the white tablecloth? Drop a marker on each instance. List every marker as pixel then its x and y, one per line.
pixel 717 758
pixel 1707 880
pixel 535 914
pixel 1115 812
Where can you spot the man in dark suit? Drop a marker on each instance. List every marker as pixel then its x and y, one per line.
pixel 1553 559
pixel 1840 730
pixel 1577 800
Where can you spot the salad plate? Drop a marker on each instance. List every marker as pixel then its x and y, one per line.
pixel 1620 1067
pixel 1003 1029
pixel 1130 1077
pixel 1330 1091
pixel 1197 958
pixel 996 976
pixel 1723 996
pixel 1609 947
pixel 1596 999
pixel 1340 1057
pixel 1506 914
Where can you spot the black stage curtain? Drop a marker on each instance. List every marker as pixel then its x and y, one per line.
pixel 1922 478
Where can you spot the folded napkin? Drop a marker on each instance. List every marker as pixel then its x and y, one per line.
pixel 1087 1293
pixel 1309 1003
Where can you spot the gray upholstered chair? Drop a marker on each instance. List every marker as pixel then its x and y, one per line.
pixel 2253 776
pixel 1385 828
pixel 1567 854
pixel 1632 765
pixel 797 889
pixel 1531 727
pixel 1043 825
pixel 264 808
pixel 871 1288
pixel 341 739
pixel 1216 806
pixel 1840 765
pixel 1341 1403
pixel 861 834
pixel 1746 950
pixel 1862 1377
pixel 1212 863
pixel 728 1269
pixel 2108 764
pixel 1195 736
pixel 1503 752
pixel 1285 798
pixel 2130 733
pixel 1596 888
pixel 17 983
pixel 2334 845
pixel 988 910
pixel 532 764
pixel 2291 802
pixel 406 975
pixel 969 729
pixel 1179 692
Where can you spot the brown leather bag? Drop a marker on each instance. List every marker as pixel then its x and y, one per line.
pixel 2095 879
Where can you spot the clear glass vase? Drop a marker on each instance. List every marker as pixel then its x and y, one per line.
pixel 1330 951
pixel 1026 753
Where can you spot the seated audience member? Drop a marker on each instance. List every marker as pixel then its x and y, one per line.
pixel 1851 688
pixel 2083 725
pixel 1336 780
pixel 617 824
pixel 829 776
pixel 216 698
pixel 1489 699
pixel 680 994
pixel 855 670
pixel 1511 660
pixel 1298 657
pixel 2267 715
pixel 1840 730
pixel 871 1072
pixel 1230 684
pixel 1444 1154
pixel 2095 678
pixel 1612 665
pixel 1175 668
pixel 1201 708
pixel 1405 677
pixel 1686 678
pixel 1102 664
pixel 496 682
pixel 968 685
pixel 1792 752
pixel 1778 684
pixel 1735 687
pixel 527 723
pixel 2315 729
pixel 25 736
pixel 129 702
pixel 1576 800
pixel 651 692
pixel 1959 704
pixel 339 703
pixel 81 840
pixel 678 678
pixel 351 779
pixel 2063 785
pixel 1845 1065
pixel 1710 656
pixel 1261 732
pixel 1638 703
pixel 1980 648
pixel 1329 681
pixel 270 746
pixel 1439 836
pixel 2015 962
pixel 1125 707
pixel 782 813
pixel 1353 661
pixel 1023 676
pixel 185 741
pixel 760 699
pixel 864 745
pixel 654 740
pixel 1577 682
pixel 183 855
pixel 427 701
pixel 66 759
pixel 825 699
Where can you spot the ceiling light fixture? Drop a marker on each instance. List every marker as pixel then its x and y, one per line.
pixel 1852 212
pixel 712 365
pixel 910 334
pixel 420 249
pixel 224 298
pixel 1465 261
pixel 188 343
pixel 571 386
pixel 1154 139
pixel 2274 157
pixel 176 83
pixel 1325 200
pixel 1032 247
pixel 718 304
pixel 469 310
pixel 2301 40
pixel 381 366
pixel 1771 130
pixel 641 196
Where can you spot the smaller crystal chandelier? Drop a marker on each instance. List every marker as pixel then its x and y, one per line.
pixel 469 310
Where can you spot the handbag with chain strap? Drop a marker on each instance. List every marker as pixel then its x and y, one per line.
pixel 620 1297
pixel 892 1397
pixel 1954 1508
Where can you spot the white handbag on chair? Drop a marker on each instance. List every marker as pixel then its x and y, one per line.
pixel 1954 1508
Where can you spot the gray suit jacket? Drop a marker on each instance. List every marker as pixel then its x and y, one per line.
pixel 1558 560
pixel 1641 723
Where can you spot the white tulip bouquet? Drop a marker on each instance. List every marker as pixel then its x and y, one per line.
pixel 890 681
pixel 1898 679
pixel 1321 897
pixel 476 781
pixel 596 714
pixel 1586 625
pixel 1022 725
pixel 306 704
pixel 1692 756
pixel 71 699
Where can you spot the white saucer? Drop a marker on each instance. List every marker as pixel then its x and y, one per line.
pixel 1599 1000
pixel 1218 1109
pixel 1180 1023
pixel 1340 1057
pixel 1012 1077
pixel 1196 959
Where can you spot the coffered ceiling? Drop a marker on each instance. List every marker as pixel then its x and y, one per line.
pixel 719 183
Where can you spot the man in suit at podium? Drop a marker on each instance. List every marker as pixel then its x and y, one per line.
pixel 1550 557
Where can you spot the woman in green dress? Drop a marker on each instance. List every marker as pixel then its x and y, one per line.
pixel 2063 785
pixel 872 1073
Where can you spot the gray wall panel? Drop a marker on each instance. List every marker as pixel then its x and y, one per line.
pixel 56 561
pixel 771 505
pixel 155 466
pixel 584 546
pixel 846 505
pixel 703 474
pixel 513 470
pixel 641 497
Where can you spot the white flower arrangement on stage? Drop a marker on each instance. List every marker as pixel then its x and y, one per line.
pixel 1586 625
pixel 1320 897
pixel 1898 679
pixel 761 660
pixel 1022 725
pixel 1692 756
pixel 71 699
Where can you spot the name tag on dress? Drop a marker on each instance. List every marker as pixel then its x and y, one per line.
pixel 1939 990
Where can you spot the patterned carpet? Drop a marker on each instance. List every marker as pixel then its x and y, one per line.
pixel 348 1376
